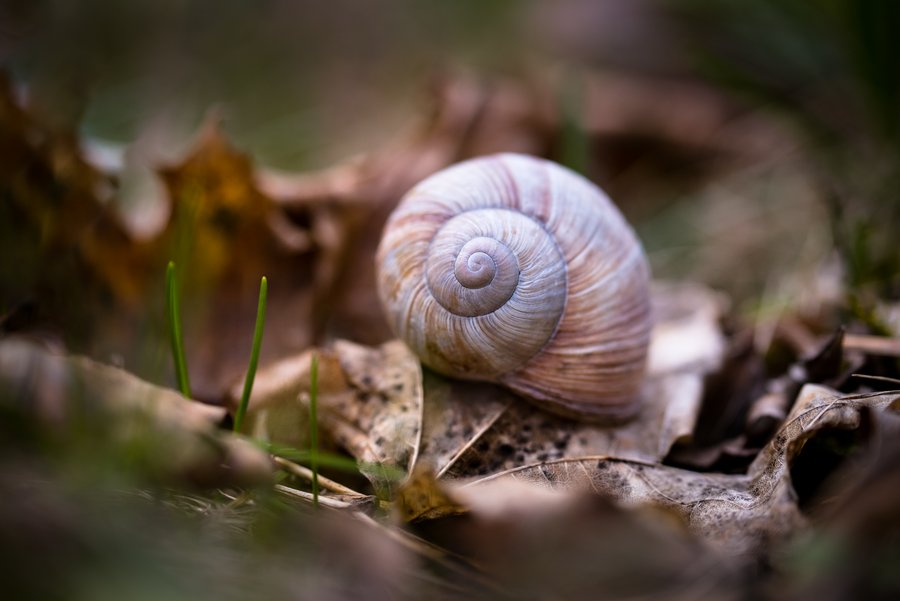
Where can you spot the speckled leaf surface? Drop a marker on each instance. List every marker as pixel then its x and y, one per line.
pixel 381 423
pixel 736 513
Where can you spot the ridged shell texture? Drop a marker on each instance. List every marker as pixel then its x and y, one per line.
pixel 516 270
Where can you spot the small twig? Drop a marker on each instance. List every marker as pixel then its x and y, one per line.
pixel 307 474
pixel 240 500
pixel 873 345
pixel 879 378
pixel 316 500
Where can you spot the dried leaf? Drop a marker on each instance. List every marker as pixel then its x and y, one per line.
pixel 55 220
pixel 456 414
pixel 744 410
pixel 422 497
pixel 225 235
pixel 382 424
pixel 278 410
pixel 739 514
pixel 370 402
pixel 537 543
pixel 65 228
pixel 61 390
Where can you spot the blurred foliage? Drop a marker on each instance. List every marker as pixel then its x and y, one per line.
pixel 297 80
pixel 112 505
pixel 109 542
pixel 831 69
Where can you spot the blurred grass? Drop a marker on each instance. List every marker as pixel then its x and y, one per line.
pixel 302 83
pixel 830 69
pixel 101 502
pixel 175 337
pixel 59 541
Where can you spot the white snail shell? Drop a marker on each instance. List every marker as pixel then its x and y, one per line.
pixel 516 270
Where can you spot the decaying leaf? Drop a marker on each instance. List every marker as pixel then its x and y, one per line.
pixel 225 234
pixel 745 409
pixel 467 428
pixel 63 390
pixel 421 497
pixel 370 402
pixel 456 415
pixel 278 410
pixel 383 422
pixel 577 546
pixel 739 514
pixel 852 551
pixel 65 226
pixel 57 231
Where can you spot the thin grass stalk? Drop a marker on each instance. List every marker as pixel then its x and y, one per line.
pixel 254 353
pixel 314 427
pixel 174 314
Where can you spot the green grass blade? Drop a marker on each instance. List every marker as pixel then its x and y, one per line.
pixel 314 426
pixel 174 314
pixel 254 353
pixel 325 459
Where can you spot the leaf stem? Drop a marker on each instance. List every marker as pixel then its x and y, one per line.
pixel 254 353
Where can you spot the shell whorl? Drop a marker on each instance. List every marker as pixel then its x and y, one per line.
pixel 516 270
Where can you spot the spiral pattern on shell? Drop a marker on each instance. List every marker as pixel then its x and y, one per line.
pixel 515 270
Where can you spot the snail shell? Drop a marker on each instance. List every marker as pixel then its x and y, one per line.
pixel 516 270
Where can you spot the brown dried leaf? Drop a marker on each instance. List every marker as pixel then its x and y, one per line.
pixel 225 235
pixel 744 410
pixel 278 410
pixel 370 401
pixel 456 415
pixel 465 428
pixel 382 424
pixel 739 514
pixel 64 227
pixel 538 543
pixel 60 390
pixel 55 221
pixel 422 497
